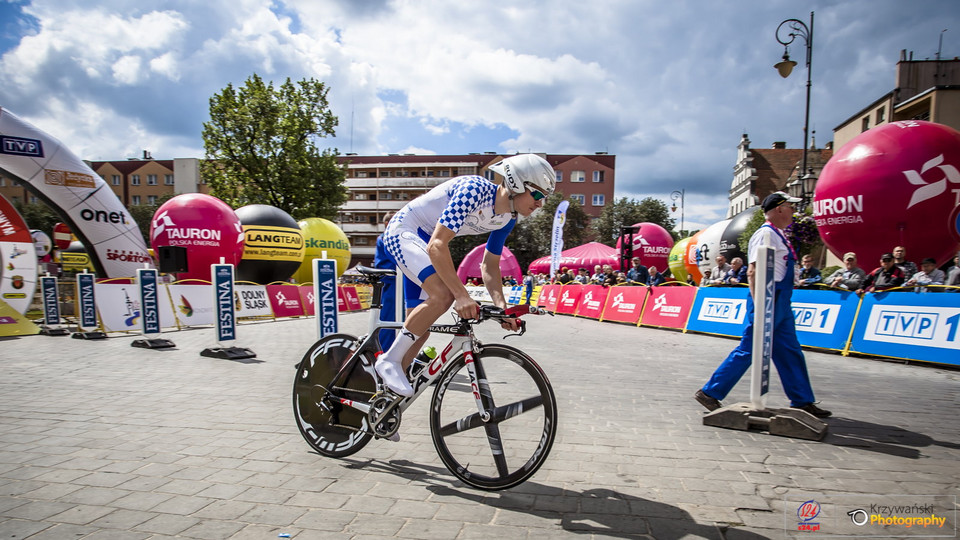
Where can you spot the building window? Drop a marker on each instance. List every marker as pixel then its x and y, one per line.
pixel 357 218
pixel 465 170
pixel 361 174
pixel 559 176
pixel 386 196
pixel 151 179
pixel 881 115
pixel 598 176
pixel 135 180
pixel 384 174
pixel 443 173
pixel 152 200
pixel 865 125
pixel 578 176
pixel 360 196
pixel 3 182
pixel 577 197
pixel 597 200
pixel 135 200
pixel 489 175
pixel 361 241
pixel 168 179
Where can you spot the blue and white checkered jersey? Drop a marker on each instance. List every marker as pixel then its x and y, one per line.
pixel 463 204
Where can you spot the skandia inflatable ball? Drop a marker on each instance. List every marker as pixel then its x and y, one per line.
pixel 205 225
pixel 897 184
pixel 272 244
pixel 651 243
pixel 677 258
pixel 319 236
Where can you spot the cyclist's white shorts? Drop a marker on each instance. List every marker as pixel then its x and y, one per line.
pixel 408 249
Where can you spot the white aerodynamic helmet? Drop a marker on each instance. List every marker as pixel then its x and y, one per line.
pixel 524 170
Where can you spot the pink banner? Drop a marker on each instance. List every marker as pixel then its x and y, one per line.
pixel 306 299
pixel 351 298
pixel 548 297
pixel 668 307
pixel 569 299
pixel 285 300
pixel 592 301
pixel 624 304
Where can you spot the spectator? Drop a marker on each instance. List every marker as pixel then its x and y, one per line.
pixel 900 259
pixel 638 273
pixel 706 280
pixel 621 279
pixel 737 274
pixel 609 276
pixel 719 272
pixel 582 277
pixel 563 276
pixel 887 276
pixel 953 273
pixel 929 274
pixel 809 274
pixel 690 280
pixel 528 287
pixel 656 278
pixel 850 276
pixel 597 276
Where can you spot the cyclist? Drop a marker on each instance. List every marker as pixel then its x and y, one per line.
pixel 416 241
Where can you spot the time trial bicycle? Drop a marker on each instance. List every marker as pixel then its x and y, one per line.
pixel 493 414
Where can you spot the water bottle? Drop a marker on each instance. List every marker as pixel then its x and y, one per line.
pixel 421 361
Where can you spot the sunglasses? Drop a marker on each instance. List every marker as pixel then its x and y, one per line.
pixel 536 194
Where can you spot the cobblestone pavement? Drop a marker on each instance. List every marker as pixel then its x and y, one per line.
pixel 100 440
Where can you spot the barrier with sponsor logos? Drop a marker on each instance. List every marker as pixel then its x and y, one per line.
pixel 668 307
pixel 592 301
pixel 568 298
pixel 719 310
pixel 285 300
pixel 824 317
pixel 549 295
pixel 914 326
pixel 623 304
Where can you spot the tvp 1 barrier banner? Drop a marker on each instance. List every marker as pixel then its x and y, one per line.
pixel 592 301
pixel 549 295
pixel 915 326
pixel 824 317
pixel 569 299
pixel 668 307
pixel 623 304
pixel 719 310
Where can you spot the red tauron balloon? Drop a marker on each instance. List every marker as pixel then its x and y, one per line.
pixel 205 225
pixel 652 243
pixel 895 185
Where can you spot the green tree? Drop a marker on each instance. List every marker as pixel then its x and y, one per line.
pixel 38 216
pixel 142 214
pixel 755 222
pixel 625 212
pixel 260 148
pixel 531 238
pixel 802 232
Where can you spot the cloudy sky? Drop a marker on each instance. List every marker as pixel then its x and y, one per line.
pixel 668 87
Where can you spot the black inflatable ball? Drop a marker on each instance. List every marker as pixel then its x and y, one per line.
pixel 273 244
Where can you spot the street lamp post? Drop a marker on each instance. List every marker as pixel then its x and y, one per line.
pixel 796 28
pixel 678 195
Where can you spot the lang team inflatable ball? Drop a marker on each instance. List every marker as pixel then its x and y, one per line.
pixel 205 225
pixel 272 244
pixel 896 184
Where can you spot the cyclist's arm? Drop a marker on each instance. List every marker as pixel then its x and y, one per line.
pixel 438 248
pixel 492 278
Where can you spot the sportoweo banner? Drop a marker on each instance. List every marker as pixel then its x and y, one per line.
pixel 65 183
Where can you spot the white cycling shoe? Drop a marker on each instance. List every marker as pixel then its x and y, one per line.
pixel 394 377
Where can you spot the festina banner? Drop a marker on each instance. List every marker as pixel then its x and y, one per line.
pixel 556 243
pixel 65 183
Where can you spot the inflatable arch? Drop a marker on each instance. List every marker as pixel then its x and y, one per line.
pixel 65 183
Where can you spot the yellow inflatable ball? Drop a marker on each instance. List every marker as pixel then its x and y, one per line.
pixel 321 235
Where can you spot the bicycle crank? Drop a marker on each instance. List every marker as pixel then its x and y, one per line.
pixel 384 416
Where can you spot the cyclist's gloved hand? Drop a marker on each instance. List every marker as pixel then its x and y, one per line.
pixel 512 324
pixel 466 307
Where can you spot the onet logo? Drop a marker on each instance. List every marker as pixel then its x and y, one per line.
pixel 930 190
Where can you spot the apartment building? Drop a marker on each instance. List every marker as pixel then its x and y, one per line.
pixel 924 90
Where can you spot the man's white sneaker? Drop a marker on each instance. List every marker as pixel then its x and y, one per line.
pixel 394 377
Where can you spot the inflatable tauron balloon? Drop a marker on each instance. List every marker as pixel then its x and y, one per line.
pixel 272 245
pixel 319 236
pixel 651 243
pixel 205 225
pixel 896 184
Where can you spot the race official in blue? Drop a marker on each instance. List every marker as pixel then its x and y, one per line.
pixel 787 353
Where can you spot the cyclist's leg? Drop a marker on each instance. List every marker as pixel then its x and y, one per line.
pixel 388 296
